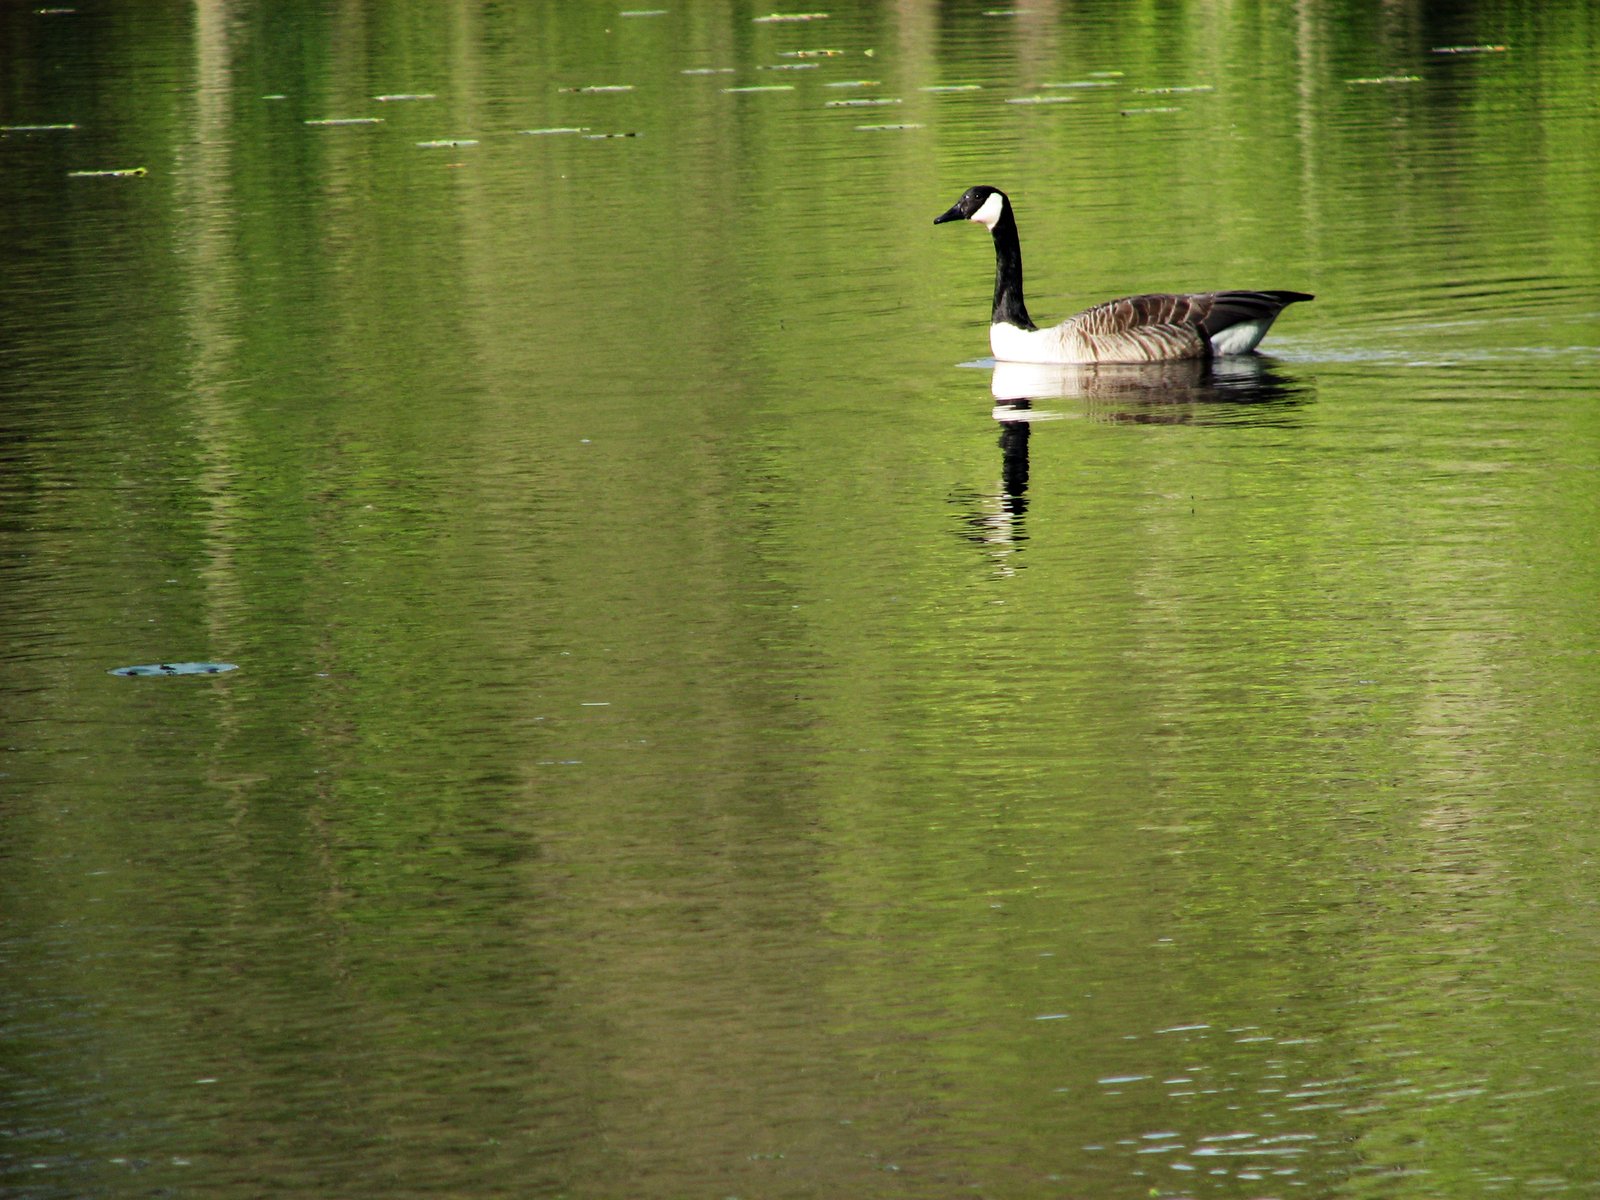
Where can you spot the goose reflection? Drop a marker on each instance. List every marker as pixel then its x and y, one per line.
pixel 1234 391
pixel 1242 390
pixel 996 521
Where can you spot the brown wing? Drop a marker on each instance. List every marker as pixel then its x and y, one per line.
pixel 1161 325
pixel 1136 329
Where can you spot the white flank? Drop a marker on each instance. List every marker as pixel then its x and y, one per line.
pixel 1012 343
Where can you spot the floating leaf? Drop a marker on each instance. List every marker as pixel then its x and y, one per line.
pixel 561 129
pixel 707 71
pixel 1388 79
pixel 810 53
pixel 37 128
pixel 1175 91
pixel 1134 112
pixel 444 143
pixel 807 66
pixel 763 87
pixel 643 12
pixel 886 128
pixel 852 83
pixel 1495 49
pixel 395 97
pixel 953 87
pixel 775 18
pixel 345 121
pixel 114 173
pixel 600 89
pixel 182 668
pixel 1041 100
pixel 275 96
pixel 875 103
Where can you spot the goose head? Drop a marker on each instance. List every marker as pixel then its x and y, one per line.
pixel 982 204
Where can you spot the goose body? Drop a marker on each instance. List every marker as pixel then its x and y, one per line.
pixel 1158 327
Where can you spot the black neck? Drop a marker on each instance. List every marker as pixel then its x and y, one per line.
pixel 1008 306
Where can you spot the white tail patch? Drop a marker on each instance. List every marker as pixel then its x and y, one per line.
pixel 1241 338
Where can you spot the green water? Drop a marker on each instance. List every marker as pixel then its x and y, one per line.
pixel 698 730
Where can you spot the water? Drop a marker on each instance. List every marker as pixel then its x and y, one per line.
pixel 696 734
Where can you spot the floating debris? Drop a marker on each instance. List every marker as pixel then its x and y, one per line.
pixel 561 129
pixel 952 87
pixel 810 53
pixel 787 67
pixel 1176 91
pixel 275 96
pixel 850 83
pixel 775 18
pixel 1105 74
pixel 1005 12
pixel 1135 112
pixel 600 137
pixel 54 12
pixel 762 87
pixel 446 143
pixel 707 71
pixel 183 668
pixel 37 128
pixel 876 103
pixel 1495 49
pixel 600 89
pixel 1080 83
pixel 1041 100
pixel 1388 79
pixel 643 12
pixel 886 128
pixel 114 173
pixel 396 97
pixel 345 121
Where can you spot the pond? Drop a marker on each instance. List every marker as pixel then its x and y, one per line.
pixel 541 657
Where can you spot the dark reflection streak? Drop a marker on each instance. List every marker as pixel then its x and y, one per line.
pixel 1014 436
pixel 996 522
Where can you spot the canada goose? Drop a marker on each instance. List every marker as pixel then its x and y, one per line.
pixel 1135 329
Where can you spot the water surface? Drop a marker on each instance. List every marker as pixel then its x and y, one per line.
pixel 696 734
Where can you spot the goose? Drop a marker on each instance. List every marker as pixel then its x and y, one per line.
pixel 1136 329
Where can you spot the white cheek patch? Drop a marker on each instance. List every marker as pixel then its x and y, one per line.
pixel 989 214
